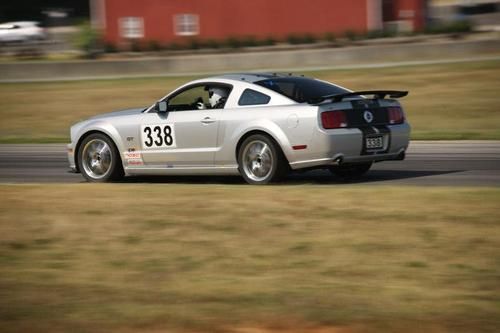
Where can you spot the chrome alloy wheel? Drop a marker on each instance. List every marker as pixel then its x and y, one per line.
pixel 257 160
pixel 97 158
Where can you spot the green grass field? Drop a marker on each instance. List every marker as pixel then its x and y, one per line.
pixel 446 101
pixel 236 258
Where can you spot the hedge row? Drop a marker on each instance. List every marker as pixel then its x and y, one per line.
pixel 89 40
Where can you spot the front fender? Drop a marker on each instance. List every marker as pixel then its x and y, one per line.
pixel 103 127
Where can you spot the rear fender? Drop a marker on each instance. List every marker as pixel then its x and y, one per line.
pixel 265 126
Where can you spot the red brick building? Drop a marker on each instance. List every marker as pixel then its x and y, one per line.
pixel 177 20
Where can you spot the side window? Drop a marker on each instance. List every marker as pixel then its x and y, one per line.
pixel 207 96
pixel 252 97
pixel 189 99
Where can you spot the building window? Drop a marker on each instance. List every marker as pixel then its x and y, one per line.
pixel 186 24
pixel 132 27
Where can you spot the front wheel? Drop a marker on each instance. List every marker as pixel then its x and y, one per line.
pixel 260 160
pixel 98 159
pixel 351 170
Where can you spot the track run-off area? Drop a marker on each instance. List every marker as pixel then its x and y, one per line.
pixel 428 163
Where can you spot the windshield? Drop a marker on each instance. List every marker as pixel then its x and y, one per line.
pixel 301 89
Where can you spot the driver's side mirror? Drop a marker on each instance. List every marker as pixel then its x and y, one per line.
pixel 161 106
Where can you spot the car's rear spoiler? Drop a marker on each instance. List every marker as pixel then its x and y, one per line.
pixel 379 94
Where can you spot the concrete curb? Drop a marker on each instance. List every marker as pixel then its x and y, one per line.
pixel 217 63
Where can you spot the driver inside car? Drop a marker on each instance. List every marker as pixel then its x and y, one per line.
pixel 216 99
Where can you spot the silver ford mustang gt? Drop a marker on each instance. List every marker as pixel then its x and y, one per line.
pixel 257 125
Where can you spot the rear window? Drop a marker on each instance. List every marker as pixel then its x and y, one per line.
pixel 301 89
pixel 252 97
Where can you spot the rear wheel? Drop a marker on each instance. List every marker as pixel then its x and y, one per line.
pixel 351 170
pixel 98 159
pixel 260 160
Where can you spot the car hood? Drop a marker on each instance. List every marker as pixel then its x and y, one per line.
pixel 76 128
pixel 121 113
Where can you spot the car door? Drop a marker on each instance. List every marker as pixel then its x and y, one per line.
pixel 184 136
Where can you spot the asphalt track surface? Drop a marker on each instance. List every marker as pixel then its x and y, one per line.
pixel 428 163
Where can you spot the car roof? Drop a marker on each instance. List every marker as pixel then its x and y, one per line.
pixel 21 23
pixel 254 77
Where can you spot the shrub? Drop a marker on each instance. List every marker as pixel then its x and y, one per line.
pixel 249 41
pixel 154 45
pixel 194 44
pixel 375 34
pixel 455 28
pixel 268 41
pixel 451 27
pixel 308 39
pixel 293 39
pixel 300 39
pixel 88 40
pixel 330 37
pixel 212 44
pixel 110 47
pixel 174 46
pixel 136 46
pixel 351 35
pixel 233 42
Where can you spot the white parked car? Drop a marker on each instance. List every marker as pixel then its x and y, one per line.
pixel 21 31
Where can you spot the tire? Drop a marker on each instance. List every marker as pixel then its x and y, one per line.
pixel 260 160
pixel 99 159
pixel 350 171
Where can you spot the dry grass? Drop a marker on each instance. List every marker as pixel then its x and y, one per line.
pixel 145 258
pixel 45 111
pixel 447 101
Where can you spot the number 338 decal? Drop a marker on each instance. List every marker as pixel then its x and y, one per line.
pixel 155 136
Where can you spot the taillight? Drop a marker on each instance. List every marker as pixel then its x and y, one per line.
pixel 396 115
pixel 334 119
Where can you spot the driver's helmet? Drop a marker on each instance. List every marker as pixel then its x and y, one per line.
pixel 216 96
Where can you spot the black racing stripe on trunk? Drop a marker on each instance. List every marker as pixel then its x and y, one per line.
pixel 364 104
pixel 356 117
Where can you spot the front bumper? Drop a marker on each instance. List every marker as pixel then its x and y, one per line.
pixel 70 150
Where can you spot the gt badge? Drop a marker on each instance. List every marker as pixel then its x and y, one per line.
pixel 368 116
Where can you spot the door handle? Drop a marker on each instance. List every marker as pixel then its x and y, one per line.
pixel 208 120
